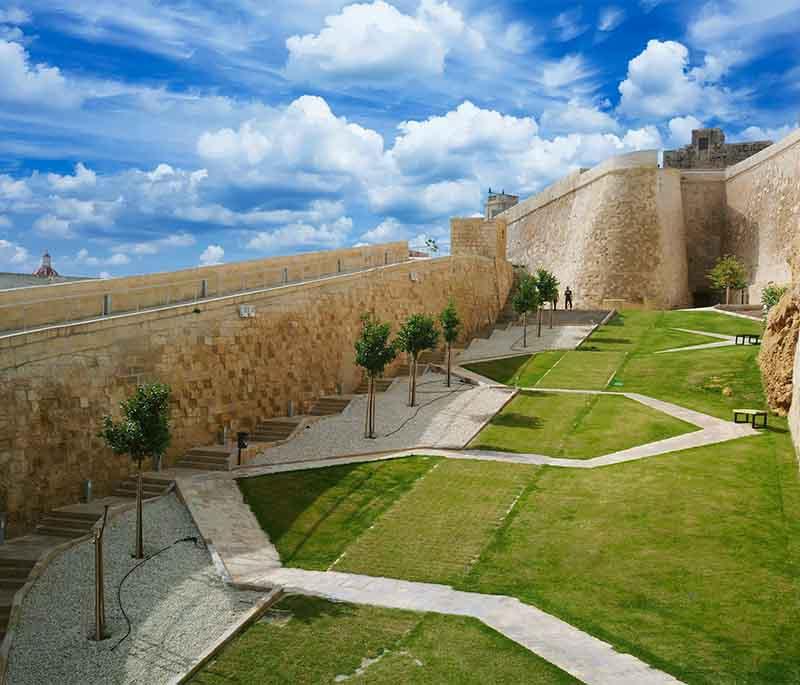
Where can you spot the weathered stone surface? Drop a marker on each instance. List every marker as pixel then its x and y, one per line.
pixel 223 369
pixel 777 357
pixel 614 234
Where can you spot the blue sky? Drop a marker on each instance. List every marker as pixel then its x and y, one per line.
pixel 158 134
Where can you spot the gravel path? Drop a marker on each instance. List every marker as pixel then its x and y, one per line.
pixel 442 418
pixel 176 602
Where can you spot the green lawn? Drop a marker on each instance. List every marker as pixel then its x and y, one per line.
pixel 311 516
pixel 500 370
pixel 306 641
pixel 578 426
pixel 439 528
pixel 690 561
pixel 582 370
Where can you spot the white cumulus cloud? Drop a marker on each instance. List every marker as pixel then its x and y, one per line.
pixel 11 253
pixel 22 82
pixel 376 41
pixel 660 84
pixel 294 236
pixel 82 178
pixel 213 254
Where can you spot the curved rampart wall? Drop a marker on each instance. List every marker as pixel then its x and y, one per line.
pixel 763 213
pixel 223 369
pixel 614 234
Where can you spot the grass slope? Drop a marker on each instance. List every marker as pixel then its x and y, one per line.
pixel 307 641
pixel 311 516
pixel 579 426
pixel 690 562
pixel 439 528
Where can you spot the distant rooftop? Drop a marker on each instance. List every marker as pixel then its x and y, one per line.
pixel 44 275
pixel 9 280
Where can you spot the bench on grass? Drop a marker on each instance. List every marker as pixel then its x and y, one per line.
pixel 750 416
pixel 748 339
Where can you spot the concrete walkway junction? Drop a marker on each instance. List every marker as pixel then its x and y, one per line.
pixel 443 425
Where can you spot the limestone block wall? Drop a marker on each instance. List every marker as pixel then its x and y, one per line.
pixel 223 369
pixel 478 236
pixel 763 213
pixel 56 303
pixel 704 216
pixel 612 233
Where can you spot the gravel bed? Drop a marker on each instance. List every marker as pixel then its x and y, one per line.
pixel 176 602
pixel 445 418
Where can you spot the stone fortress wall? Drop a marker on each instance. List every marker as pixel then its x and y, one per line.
pixel 613 233
pixel 224 370
pixel 708 150
pixel 25 308
pixel 629 232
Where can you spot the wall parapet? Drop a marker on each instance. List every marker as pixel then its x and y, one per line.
pixel 44 305
pixel 764 155
pixel 579 179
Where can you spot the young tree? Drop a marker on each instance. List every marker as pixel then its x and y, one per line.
pixel 728 273
pixel 418 333
pixel 771 295
pixel 547 285
pixel 373 353
pixel 432 246
pixel 451 325
pixel 526 299
pixel 142 432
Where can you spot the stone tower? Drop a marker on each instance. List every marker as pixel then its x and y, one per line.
pixel 46 269
pixel 708 150
pixel 499 202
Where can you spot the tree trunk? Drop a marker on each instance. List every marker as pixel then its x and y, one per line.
pixel 410 380
pixel 539 334
pixel 413 381
pixel 139 537
pixel 525 329
pixel 448 364
pixel 552 308
pixel 367 408
pixel 372 410
pixel 727 295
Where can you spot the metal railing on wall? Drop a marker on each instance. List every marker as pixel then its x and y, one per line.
pixel 37 314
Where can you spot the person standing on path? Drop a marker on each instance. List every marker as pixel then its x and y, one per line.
pixel 568 298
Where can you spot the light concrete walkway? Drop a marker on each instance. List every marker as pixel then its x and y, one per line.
pixel 727 341
pixel 249 560
pixel 712 431
pixel 508 342
pixel 591 660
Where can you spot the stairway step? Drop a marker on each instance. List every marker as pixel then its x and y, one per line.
pixel 77 515
pixel 12 583
pixel 16 563
pixel 51 520
pixel 61 531
pixel 10 573
pixel 220 453
pixel 202 466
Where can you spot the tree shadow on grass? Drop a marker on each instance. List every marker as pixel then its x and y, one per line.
pixel 517 420
pixel 308 609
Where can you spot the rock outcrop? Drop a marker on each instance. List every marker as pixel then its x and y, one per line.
pixel 777 355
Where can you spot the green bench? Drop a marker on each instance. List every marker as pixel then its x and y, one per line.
pixel 750 416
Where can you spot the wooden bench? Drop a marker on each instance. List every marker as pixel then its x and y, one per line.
pixel 750 416
pixel 748 339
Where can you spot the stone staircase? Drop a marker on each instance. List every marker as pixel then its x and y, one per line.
pixel 151 487
pixel 214 458
pixel 381 385
pixel 327 406
pixel 68 524
pixel 275 430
